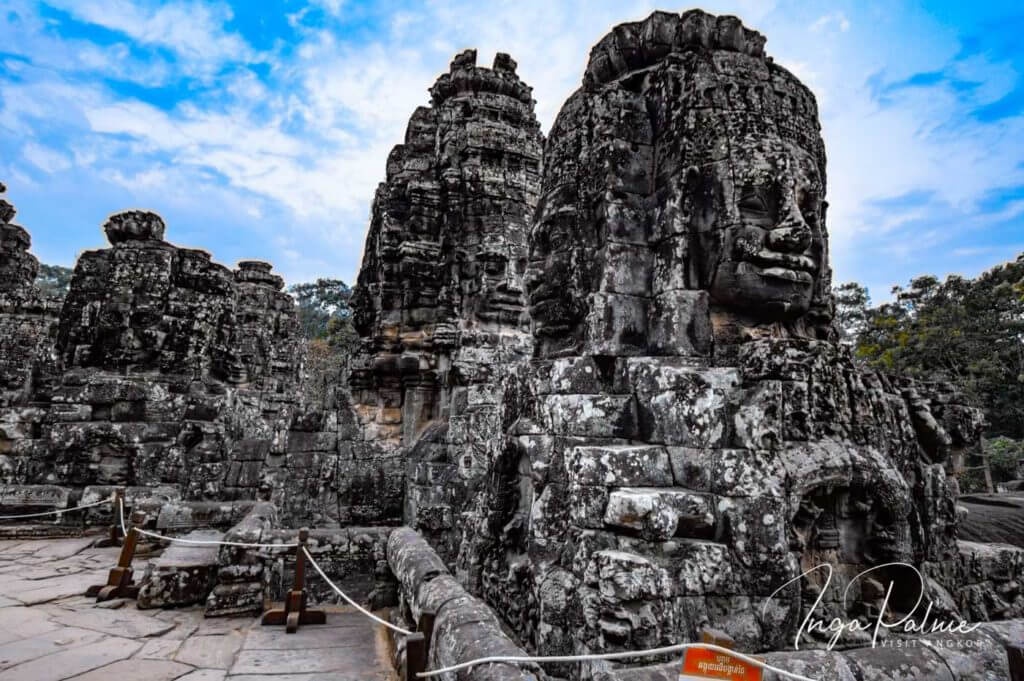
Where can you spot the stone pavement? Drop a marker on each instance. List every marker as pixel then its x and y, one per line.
pixel 50 632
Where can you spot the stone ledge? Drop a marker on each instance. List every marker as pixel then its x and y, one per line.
pixel 465 628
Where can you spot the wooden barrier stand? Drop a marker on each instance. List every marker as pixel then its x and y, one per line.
pixel 294 612
pixel 113 537
pixel 120 583
pixel 1016 660
pixel 417 646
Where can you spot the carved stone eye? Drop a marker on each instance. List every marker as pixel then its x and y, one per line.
pixel 558 237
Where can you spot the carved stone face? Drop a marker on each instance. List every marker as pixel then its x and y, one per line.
pixel 501 298
pixel 553 277
pixel 766 249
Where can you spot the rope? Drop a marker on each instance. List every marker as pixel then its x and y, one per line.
pixel 200 542
pixel 63 510
pixel 404 632
pixel 616 656
pixel 482 660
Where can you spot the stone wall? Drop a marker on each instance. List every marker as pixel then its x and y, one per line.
pixel 465 628
pixel 355 558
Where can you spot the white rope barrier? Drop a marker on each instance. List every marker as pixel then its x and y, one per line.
pixel 615 656
pixel 200 542
pixel 483 660
pixel 63 510
pixel 404 632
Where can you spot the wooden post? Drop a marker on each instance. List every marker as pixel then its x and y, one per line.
pixel 114 532
pixel 988 470
pixel 1016 661
pixel 426 627
pixel 120 583
pixel 415 656
pixel 294 612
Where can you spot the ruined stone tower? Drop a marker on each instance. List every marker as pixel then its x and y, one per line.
pixel 439 302
pixel 27 319
pixel 169 371
pixel 688 437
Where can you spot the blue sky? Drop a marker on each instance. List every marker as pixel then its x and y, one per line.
pixel 260 130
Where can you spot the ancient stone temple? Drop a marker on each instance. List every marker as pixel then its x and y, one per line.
pixel 689 438
pixel 439 302
pixel 170 371
pixel 26 317
pixel 598 381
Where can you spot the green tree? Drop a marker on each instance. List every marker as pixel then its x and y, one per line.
pixel 1004 457
pixel 325 321
pixel 54 280
pixel 319 303
pixel 852 308
pixel 969 331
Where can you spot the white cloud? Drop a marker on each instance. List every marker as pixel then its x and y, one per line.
pixel 835 18
pixel 193 30
pixel 46 159
pixel 330 6
pixel 312 144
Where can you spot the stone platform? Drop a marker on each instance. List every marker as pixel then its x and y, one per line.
pixel 50 632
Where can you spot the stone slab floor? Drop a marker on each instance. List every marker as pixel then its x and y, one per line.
pixel 50 632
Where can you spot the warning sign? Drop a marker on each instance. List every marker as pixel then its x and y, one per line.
pixel 701 664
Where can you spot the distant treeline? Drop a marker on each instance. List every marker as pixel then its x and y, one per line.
pixel 968 331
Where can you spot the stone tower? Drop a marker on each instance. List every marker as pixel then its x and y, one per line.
pixel 688 437
pixel 169 371
pixel 439 300
pixel 27 316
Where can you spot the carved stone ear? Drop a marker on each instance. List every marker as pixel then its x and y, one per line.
pixel 702 198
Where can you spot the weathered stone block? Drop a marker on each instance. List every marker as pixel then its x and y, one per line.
pixel 619 465
pixel 591 415
pixel 691 467
pixel 616 325
pixel 661 513
pixel 679 324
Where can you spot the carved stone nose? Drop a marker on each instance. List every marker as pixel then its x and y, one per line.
pixel 533 276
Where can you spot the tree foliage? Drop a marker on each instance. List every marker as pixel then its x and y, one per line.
pixel 1005 456
pixel 54 280
pixel 324 311
pixel 325 321
pixel 969 331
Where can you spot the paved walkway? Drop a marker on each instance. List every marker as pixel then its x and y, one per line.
pixel 50 632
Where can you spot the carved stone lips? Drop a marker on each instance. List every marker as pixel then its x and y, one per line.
pixel 785 266
pixel 541 294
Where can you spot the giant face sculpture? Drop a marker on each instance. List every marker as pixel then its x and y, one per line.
pixel 671 473
pixel 767 257
pixel 555 279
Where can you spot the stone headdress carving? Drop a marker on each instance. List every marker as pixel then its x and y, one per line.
pixel 683 198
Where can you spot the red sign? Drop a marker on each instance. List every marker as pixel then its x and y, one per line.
pixel 701 664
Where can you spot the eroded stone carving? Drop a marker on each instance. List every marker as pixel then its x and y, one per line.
pixel 170 370
pixel 689 437
pixel 438 305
